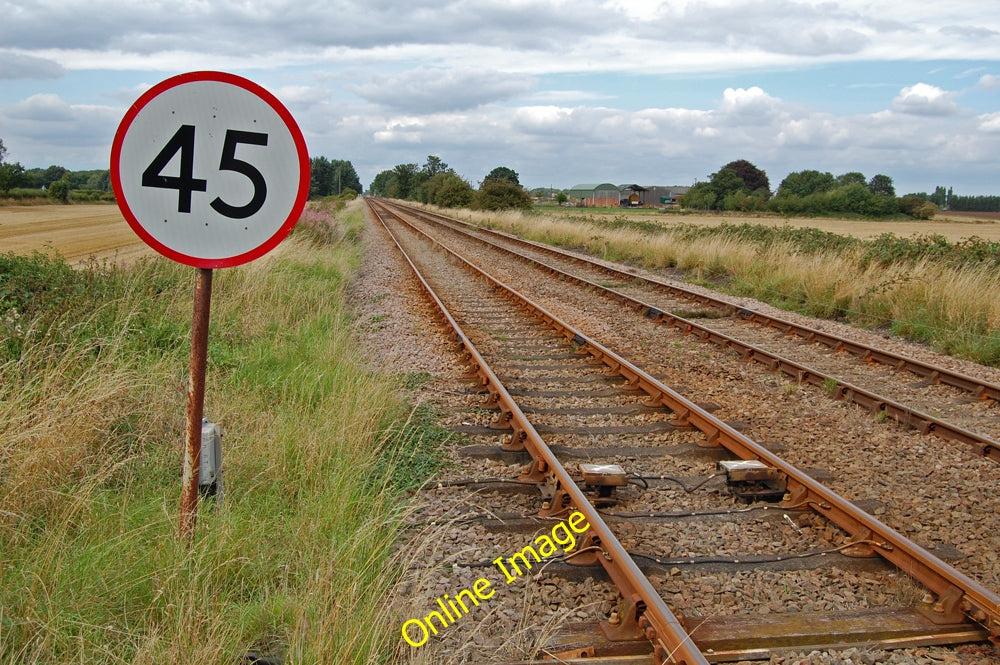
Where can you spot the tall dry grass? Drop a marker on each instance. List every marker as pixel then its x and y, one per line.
pixel 295 561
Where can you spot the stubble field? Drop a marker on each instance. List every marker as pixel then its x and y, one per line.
pixel 954 226
pixel 77 232
pixel 80 232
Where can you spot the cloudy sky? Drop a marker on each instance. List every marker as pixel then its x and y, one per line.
pixel 563 92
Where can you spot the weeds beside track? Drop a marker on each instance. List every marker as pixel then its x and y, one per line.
pixel 317 453
pixel 924 289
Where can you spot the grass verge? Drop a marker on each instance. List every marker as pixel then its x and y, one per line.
pixel 924 288
pixel 318 454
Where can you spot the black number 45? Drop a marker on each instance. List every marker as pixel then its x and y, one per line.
pixel 185 183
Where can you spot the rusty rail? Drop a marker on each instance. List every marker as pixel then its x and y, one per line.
pixel 801 373
pixel 980 388
pixel 958 596
pixel 671 642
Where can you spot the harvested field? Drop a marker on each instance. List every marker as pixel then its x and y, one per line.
pixel 954 226
pixel 77 232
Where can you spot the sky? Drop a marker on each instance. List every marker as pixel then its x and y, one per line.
pixel 646 92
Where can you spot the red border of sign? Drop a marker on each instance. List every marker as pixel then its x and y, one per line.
pixel 300 146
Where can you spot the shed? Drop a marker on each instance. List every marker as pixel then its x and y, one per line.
pixel 603 194
pixel 659 195
pixel 634 196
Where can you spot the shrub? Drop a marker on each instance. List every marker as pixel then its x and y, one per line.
pixel 59 191
pixel 917 205
pixel 501 195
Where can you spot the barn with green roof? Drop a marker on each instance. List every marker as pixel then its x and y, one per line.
pixel 599 195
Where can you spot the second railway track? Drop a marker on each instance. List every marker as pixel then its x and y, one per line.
pixel 703 552
pixel 931 398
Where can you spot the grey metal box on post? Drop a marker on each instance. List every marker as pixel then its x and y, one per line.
pixel 210 474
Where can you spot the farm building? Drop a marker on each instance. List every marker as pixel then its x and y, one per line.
pixel 590 196
pixel 657 196
pixel 654 196
pixel 606 194
pixel 634 196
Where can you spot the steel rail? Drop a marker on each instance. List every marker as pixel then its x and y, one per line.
pixel 985 390
pixel 845 391
pixel 958 595
pixel 671 641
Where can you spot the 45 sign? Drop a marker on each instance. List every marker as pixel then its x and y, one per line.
pixel 210 169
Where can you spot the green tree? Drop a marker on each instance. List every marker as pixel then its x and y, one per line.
pixel 804 183
pixel 11 176
pixel 407 180
pixel 11 173
pixel 503 174
pixel 501 195
pixel 939 197
pixel 852 178
pixel 384 184
pixel 331 177
pixel 434 166
pixel 449 190
pixel 726 182
pixel 701 196
pixel 52 174
pixel 882 184
pixel 100 180
pixel 561 198
pixel 320 173
pixel 754 179
pixel 59 191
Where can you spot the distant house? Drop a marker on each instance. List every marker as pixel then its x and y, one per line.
pixel 598 195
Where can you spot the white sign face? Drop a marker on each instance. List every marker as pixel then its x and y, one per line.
pixel 210 169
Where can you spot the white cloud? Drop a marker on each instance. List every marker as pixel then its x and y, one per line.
pixel 303 95
pixel 14 65
pixel 968 31
pixel 532 37
pixel 44 129
pixel 563 96
pixel 990 122
pixel 403 130
pixel 923 99
pixel 989 82
pixel 749 101
pixel 559 91
pixel 427 90
pixel 543 119
pixel 128 95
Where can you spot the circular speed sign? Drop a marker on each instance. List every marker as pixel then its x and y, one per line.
pixel 210 169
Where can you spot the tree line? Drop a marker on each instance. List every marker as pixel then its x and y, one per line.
pixel 438 184
pixel 434 182
pixel 328 177
pixel 741 186
pixel 55 182
pixel 946 199
pixel 737 186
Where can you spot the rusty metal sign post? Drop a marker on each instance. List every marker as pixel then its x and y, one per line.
pixel 211 171
pixel 195 400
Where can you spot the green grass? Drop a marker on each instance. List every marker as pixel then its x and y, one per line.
pixel 318 455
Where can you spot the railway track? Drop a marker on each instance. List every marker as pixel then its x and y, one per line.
pixel 657 477
pixel 974 418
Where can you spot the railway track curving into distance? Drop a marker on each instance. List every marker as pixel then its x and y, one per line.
pixel 704 543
